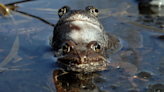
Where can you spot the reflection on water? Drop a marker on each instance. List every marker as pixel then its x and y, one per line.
pixel 27 62
pixel 75 82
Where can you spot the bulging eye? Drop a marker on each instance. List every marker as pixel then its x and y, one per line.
pixel 96 10
pixel 96 47
pixel 66 48
pixel 92 10
pixel 63 11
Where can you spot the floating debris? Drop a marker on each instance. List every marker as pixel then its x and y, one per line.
pixel 156 88
pixel 12 53
pixel 158 3
pixel 1 70
pixel 36 17
pixel 158 36
pixel 161 37
pixel 146 75
pixel 4 10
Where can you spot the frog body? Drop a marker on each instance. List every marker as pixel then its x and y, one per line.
pixel 82 44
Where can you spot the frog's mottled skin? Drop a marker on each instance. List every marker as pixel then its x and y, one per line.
pixel 81 30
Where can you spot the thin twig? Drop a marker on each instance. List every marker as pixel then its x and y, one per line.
pixel 49 87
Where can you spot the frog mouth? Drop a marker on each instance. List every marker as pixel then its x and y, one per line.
pixel 88 65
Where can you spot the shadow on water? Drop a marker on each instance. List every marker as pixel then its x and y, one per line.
pixel 27 62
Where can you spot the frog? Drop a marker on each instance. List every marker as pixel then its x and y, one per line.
pixel 81 43
pixel 81 40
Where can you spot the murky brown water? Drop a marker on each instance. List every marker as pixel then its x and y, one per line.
pixel 27 62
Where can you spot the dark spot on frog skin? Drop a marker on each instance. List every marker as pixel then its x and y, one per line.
pixel 73 27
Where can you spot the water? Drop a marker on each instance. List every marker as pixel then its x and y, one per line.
pixel 27 62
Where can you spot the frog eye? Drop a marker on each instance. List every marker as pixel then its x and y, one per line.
pixel 63 11
pixel 92 10
pixel 66 48
pixel 94 46
pixel 96 11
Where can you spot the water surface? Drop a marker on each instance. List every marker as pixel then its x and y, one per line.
pixel 27 59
